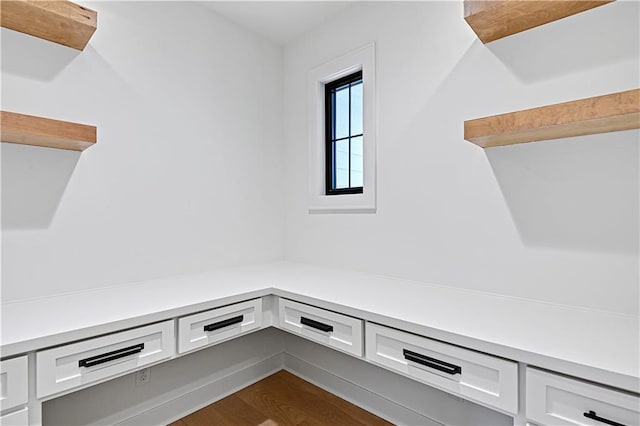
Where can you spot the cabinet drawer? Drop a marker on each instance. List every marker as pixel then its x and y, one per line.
pixel 557 400
pixel 473 375
pixel 216 325
pixel 326 327
pixel 13 383
pixel 17 418
pixel 98 359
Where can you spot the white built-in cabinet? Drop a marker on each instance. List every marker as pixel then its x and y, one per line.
pixel 551 398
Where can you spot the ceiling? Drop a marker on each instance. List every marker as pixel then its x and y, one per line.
pixel 278 21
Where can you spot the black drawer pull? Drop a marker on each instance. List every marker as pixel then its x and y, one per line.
pixel 110 356
pixel 224 323
pixel 431 362
pixel 592 415
pixel 316 324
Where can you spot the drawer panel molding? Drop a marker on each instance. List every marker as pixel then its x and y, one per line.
pixel 555 400
pixel 486 379
pixel 95 360
pixel 218 325
pixel 328 328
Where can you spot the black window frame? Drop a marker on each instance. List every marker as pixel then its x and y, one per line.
pixel 329 121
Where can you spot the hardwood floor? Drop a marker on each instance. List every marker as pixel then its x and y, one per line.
pixel 281 399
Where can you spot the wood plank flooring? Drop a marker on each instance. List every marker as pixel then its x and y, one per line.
pixel 279 400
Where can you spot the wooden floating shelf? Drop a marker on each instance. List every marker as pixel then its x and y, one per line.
pixel 602 114
pixel 62 22
pixel 37 131
pixel 492 20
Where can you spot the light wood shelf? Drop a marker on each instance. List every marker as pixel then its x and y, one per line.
pixel 492 20
pixel 62 22
pixel 29 130
pixel 602 114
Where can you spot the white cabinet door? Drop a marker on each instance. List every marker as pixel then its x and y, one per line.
pixel 102 358
pixel 473 375
pixel 556 400
pixel 329 328
pixel 14 382
pixel 217 325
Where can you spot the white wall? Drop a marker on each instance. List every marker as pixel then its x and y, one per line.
pixel 186 174
pixel 555 221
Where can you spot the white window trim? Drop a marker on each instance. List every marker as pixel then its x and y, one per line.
pixel 360 59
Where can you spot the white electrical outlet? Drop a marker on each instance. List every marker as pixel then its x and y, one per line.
pixel 143 376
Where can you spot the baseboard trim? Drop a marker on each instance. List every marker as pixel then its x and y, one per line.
pixel 357 395
pixel 185 404
pixel 195 399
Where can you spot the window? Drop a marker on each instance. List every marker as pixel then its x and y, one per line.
pixel 344 135
pixel 345 144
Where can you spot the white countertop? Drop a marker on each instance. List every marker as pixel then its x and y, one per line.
pixel 600 346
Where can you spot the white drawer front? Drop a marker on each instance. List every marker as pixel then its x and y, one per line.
pixel 483 378
pixel 217 325
pixel 329 328
pixel 104 357
pixel 557 400
pixel 17 418
pixel 14 383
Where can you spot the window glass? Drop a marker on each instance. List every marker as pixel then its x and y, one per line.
pixel 342 164
pixel 342 113
pixel 344 135
pixel 356 109
pixel 356 161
